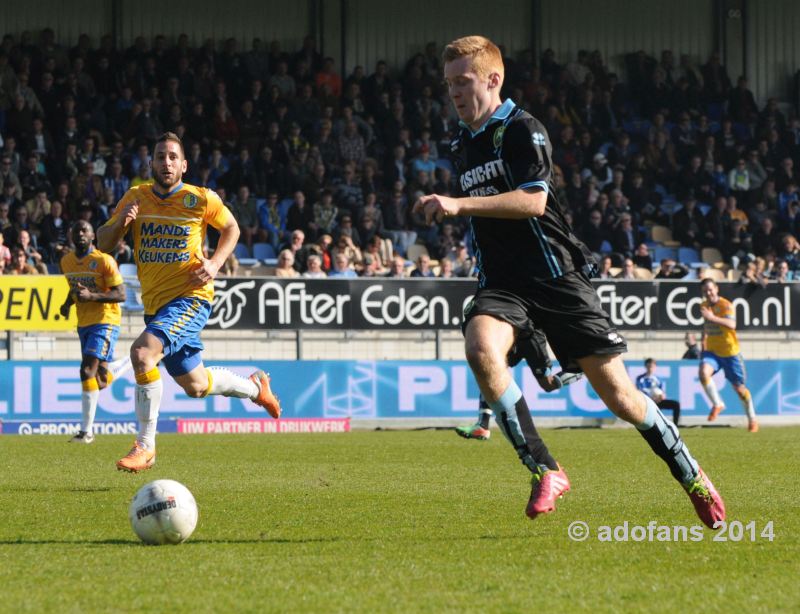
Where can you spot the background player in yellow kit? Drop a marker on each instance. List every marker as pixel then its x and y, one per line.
pixel 721 351
pixel 168 220
pixel 96 290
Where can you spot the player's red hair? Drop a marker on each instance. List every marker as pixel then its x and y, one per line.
pixel 486 57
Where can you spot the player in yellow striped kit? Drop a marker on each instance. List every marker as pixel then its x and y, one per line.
pixel 721 351
pixel 96 290
pixel 168 221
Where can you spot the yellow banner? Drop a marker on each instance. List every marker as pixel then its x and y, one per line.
pixel 32 302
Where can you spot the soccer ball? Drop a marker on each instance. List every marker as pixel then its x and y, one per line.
pixel 163 512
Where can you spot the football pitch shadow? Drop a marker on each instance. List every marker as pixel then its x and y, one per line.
pixel 191 542
pixel 66 542
pixel 234 541
pixel 63 489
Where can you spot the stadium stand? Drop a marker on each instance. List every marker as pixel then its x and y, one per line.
pixel 78 120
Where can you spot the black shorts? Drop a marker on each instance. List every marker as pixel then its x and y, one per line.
pixel 533 348
pixel 567 309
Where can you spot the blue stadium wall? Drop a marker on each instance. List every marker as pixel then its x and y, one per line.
pixel 371 390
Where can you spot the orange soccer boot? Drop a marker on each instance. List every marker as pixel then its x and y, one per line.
pixel 138 459
pixel 265 398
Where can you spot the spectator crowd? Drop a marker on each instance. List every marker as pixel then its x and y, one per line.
pixel 321 170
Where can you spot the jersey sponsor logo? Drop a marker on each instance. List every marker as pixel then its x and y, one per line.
pixel 89 281
pixel 150 228
pixel 481 174
pixel 497 139
pixel 538 139
pixel 153 239
pixel 190 201
pixel 163 243
pixel 488 191
pixel 162 257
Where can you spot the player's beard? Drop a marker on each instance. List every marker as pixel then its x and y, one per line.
pixel 164 187
pixel 81 251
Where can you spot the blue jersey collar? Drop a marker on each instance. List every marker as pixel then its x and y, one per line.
pixel 502 112
pixel 168 194
pixel 88 251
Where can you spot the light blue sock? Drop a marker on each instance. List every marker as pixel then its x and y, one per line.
pixel 508 399
pixel 665 440
pixel 651 414
pixel 505 409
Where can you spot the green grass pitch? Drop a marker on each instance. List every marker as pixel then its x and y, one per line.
pixel 396 522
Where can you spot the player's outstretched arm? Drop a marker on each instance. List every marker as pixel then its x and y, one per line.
pixel 514 205
pixel 228 237
pixel 68 302
pixel 66 305
pixel 110 233
pixel 709 316
pixel 112 295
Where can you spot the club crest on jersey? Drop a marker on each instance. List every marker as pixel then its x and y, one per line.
pixel 92 265
pixel 497 139
pixel 538 139
pixel 190 201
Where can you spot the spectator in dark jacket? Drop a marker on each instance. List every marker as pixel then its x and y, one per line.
pixel 593 232
pixel 689 225
pixel 765 239
pixel 625 237
pixel 671 270
pixel 642 258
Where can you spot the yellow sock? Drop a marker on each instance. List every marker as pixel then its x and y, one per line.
pixel 152 375
pixel 88 385
pixel 747 404
pixel 210 383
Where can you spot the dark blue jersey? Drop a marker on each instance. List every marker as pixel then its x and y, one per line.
pixel 512 151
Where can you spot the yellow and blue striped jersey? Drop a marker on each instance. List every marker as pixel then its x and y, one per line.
pixel 168 237
pixel 99 273
pixel 720 339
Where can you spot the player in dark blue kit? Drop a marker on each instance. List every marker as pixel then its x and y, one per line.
pixel 532 271
pixel 533 349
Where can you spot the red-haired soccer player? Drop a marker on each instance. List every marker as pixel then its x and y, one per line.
pixel 532 270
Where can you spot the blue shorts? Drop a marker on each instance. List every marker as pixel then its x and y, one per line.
pixel 178 325
pixel 733 366
pixel 98 340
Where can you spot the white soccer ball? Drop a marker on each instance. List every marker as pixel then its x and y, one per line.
pixel 163 512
